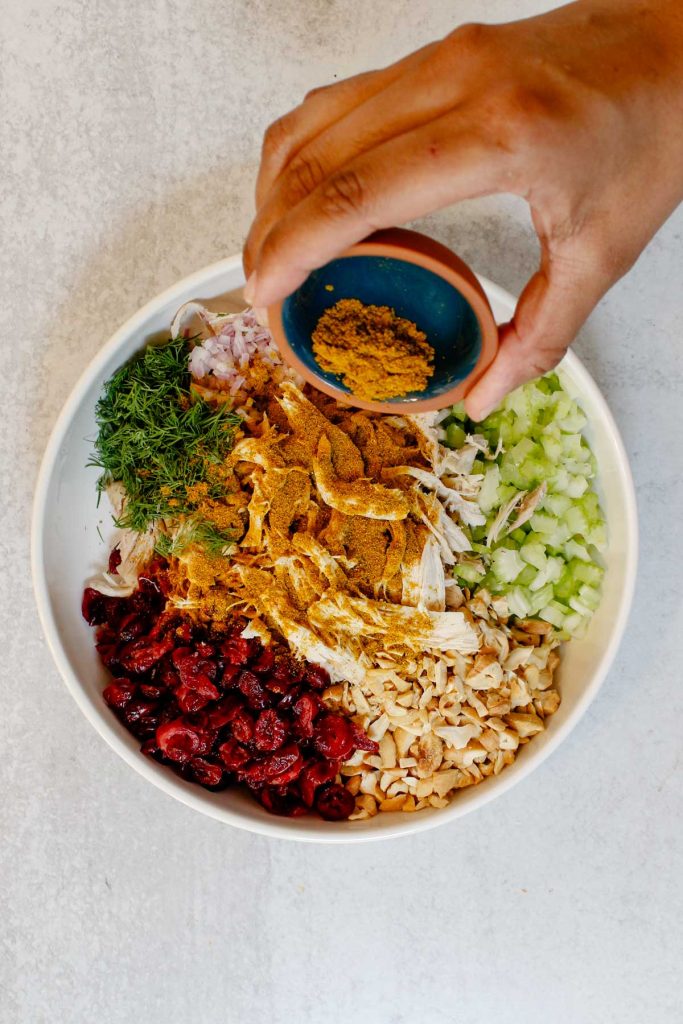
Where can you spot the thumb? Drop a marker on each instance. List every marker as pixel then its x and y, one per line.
pixel 550 311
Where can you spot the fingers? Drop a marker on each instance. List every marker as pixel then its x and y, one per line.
pixel 383 116
pixel 397 181
pixel 321 108
pixel 550 311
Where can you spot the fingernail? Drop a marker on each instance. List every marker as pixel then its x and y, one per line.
pixel 249 290
pixel 480 413
pixel 486 411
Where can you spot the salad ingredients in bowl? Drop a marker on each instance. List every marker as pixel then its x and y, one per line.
pixel 338 611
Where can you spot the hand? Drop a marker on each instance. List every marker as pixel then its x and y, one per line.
pixel 580 111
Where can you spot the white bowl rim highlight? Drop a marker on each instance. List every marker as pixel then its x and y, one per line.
pixel 195 796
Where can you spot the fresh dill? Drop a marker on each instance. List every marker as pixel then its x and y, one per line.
pixel 195 531
pixel 156 439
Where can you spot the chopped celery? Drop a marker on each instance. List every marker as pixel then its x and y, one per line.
pixel 534 554
pixel 506 564
pixel 548 567
pixel 488 493
pixel 468 573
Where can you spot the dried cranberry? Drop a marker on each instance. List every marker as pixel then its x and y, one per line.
pixel 205 650
pixel 281 762
pixel 132 626
pixel 222 714
pixel 250 686
pixel 243 726
pixel 191 666
pixel 270 731
pixel 233 755
pixel 93 607
pixel 284 674
pixel 109 654
pixel 206 773
pixel 114 559
pixel 333 737
pixel 317 677
pixel 192 700
pixel 177 741
pixel 304 711
pixel 290 699
pixel 238 650
pixel 264 662
pixel 361 740
pixel 315 775
pixel 137 709
pixel 151 749
pixel 281 801
pixel 151 692
pixel 116 609
pixel 119 693
pixel 167 674
pixel 140 655
pixel 289 774
pixel 228 672
pixel 334 803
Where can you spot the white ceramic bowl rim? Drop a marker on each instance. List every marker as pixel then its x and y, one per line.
pixel 194 796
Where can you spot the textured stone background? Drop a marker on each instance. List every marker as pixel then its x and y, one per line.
pixel 129 137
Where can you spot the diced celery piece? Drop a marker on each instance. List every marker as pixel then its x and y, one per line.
pixel 555 613
pixel 506 564
pixel 509 473
pixel 597 536
pixel 468 573
pixel 590 596
pixel 478 466
pixel 533 471
pixel 541 598
pixel 574 421
pixel 549 573
pixel 558 538
pixel 518 535
pixel 575 519
pixel 522 450
pixel 518 602
pixel 591 507
pixel 458 412
pixel 573 549
pixel 533 553
pixel 565 586
pixel 543 523
pixel 552 446
pixel 576 485
pixel 527 576
pixel 573 623
pixel 488 493
pixel 557 504
pixel 560 480
pixel 587 572
pixel 455 436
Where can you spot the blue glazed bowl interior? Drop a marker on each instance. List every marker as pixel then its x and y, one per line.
pixel 414 292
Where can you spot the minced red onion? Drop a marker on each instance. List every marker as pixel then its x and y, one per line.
pixel 237 339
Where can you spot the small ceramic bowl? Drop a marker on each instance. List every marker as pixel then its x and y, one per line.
pixel 422 281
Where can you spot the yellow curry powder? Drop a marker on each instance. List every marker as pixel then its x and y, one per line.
pixel 378 354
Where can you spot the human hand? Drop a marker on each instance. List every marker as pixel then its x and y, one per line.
pixel 579 111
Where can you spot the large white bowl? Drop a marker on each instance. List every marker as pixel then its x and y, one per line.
pixel 67 548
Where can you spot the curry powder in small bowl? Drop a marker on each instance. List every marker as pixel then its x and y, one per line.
pixel 377 354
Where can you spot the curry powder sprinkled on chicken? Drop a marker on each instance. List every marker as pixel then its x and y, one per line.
pixel 378 354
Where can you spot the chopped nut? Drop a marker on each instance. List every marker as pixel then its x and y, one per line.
pixel 429 754
pixel 394 803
